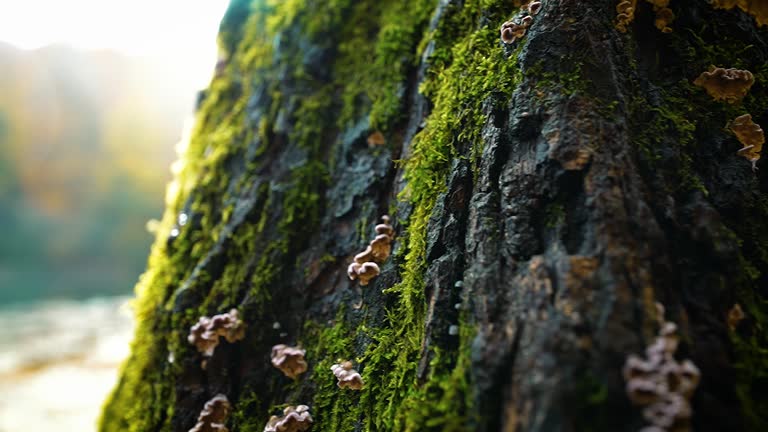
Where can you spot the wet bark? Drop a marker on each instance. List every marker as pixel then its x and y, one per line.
pixel 604 184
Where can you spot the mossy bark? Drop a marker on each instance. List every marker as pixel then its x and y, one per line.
pixel 545 194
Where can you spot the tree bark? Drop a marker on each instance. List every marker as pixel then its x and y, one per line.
pixel 545 195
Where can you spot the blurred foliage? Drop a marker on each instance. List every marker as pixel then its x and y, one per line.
pixel 86 139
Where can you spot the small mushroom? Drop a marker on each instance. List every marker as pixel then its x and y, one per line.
pixel 364 256
pixel 376 139
pixel 368 271
pixel 384 227
pixel 751 136
pixel 667 411
pixel 661 384
pixel 365 265
pixel 534 7
pixel 352 270
pixel 290 360
pixel 294 419
pixel 347 376
pixel 664 17
pixel 381 247
pixel 214 415
pixel 735 316
pixel 510 32
pixel 729 85
pixel 206 333
pixel 625 14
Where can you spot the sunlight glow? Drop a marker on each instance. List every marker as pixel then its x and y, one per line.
pixel 138 27
pixel 182 29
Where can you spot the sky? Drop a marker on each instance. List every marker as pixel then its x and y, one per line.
pixel 183 29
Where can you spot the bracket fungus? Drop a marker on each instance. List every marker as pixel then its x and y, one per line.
pixel 290 360
pixel 625 14
pixel 206 333
pixel 294 419
pixel 730 85
pixel 735 316
pixel 348 377
pixel 664 17
pixel 214 415
pixel 751 136
pixel 511 31
pixel 365 265
pixel 661 383
pixel 376 139
pixel 533 7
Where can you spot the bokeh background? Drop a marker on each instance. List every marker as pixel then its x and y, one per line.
pixel 94 97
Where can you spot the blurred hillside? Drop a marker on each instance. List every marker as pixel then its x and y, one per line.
pixel 86 139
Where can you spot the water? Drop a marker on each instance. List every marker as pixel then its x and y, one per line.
pixel 59 361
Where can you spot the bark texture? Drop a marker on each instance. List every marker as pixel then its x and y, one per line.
pixel 544 194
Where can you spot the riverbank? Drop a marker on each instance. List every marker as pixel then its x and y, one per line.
pixel 59 360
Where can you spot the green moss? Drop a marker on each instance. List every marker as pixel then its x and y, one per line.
pixel 468 68
pixel 382 39
pixel 247 415
pixel 333 409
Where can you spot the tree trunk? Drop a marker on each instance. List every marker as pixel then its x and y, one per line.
pixel 545 194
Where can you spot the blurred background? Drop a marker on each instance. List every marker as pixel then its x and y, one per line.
pixel 94 95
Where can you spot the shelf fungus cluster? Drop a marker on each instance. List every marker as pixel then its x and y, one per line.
pixel 664 15
pixel 625 14
pixel 751 136
pixel 729 85
pixel 214 415
pixel 348 377
pixel 290 360
pixel 206 333
pixel 294 419
pixel 366 264
pixel 515 29
pixel 660 383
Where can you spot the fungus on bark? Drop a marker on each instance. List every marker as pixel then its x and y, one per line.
pixel 206 333
pixel 368 271
pixel 376 139
pixel 364 266
pixel 511 31
pixel 664 17
pixel 625 14
pixel 730 85
pixel 534 7
pixel 735 316
pixel 294 419
pixel 380 248
pixel 214 415
pixel 751 136
pixel 290 360
pixel 660 383
pixel 348 377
